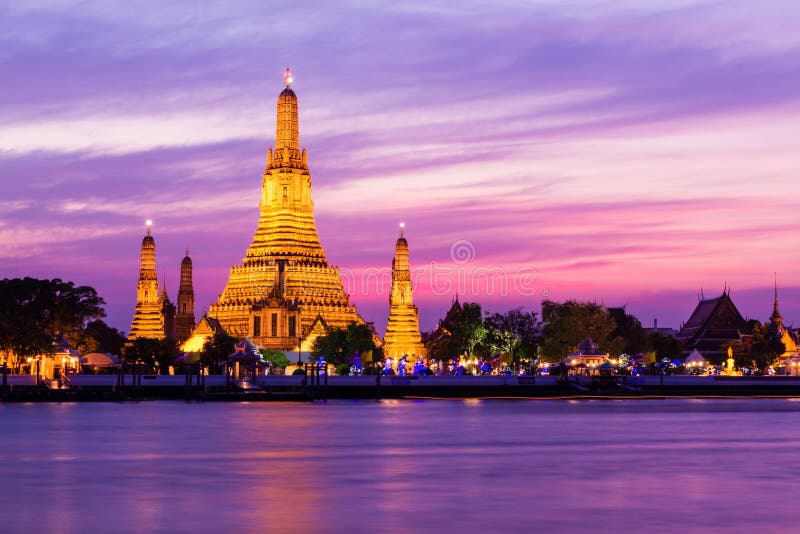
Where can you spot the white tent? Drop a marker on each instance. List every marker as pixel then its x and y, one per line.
pixel 695 359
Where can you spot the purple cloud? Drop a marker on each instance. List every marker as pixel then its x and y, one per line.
pixel 616 150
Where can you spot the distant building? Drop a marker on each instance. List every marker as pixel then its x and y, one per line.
pixel 167 312
pixel 64 359
pixel 154 314
pixel 620 315
pixel 184 315
pixel 663 331
pixel 712 323
pixel 778 332
pixel 588 354
pixel 439 340
pixel 402 329
pixel 284 288
pixel 206 329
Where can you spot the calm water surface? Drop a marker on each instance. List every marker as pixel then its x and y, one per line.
pixel 425 466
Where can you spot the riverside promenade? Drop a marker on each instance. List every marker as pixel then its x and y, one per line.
pixel 26 388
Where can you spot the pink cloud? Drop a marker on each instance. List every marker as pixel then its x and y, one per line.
pixel 633 154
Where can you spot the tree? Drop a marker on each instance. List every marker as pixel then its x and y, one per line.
pixel 34 313
pixel 470 330
pixel 663 346
pixel 332 345
pixel 156 354
pixel 504 342
pixel 764 349
pixel 629 330
pixel 439 347
pixel 461 331
pixel 99 337
pixel 216 350
pixel 473 338
pixel 513 334
pixel 339 344
pixel 276 358
pixel 567 324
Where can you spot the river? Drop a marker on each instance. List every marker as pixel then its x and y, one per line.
pixel 704 465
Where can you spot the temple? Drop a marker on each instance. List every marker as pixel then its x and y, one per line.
pixel 152 318
pixel 184 316
pixel 167 311
pixel 402 330
pixel 588 353
pixel 713 323
pixel 206 329
pixel 284 285
pixel 439 342
pixel 778 332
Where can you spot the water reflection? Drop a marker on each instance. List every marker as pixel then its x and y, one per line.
pixel 597 466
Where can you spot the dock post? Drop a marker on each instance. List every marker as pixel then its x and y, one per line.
pixel 119 391
pixel 325 390
pixel 137 379
pixel 378 386
pixel 5 381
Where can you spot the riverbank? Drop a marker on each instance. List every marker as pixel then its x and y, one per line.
pixel 25 388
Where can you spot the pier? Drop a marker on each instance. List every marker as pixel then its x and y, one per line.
pixel 131 383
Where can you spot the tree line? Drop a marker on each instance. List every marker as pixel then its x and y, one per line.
pixel 35 313
pixel 518 336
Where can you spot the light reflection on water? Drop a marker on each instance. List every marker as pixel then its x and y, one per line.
pixel 473 466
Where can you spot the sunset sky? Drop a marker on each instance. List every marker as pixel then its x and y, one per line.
pixel 622 152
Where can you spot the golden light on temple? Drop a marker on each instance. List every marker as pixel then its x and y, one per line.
pixel 148 318
pixel 284 293
pixel 195 343
pixel 402 329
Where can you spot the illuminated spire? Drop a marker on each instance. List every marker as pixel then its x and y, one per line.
pixel 402 229
pixel 287 135
pixel 285 257
pixel 402 329
pixel 147 262
pixel 147 318
pixel 775 311
pixel 184 317
pixel 776 328
pixel 162 297
pixel 776 286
